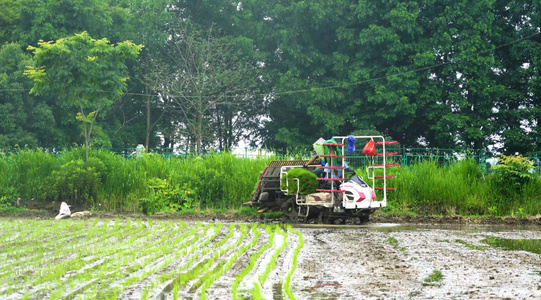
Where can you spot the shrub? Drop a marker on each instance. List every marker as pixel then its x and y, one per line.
pixel 76 182
pixel 514 171
pixel 7 196
pixel 166 196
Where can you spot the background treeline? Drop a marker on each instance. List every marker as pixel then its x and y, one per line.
pixel 151 183
pixel 446 73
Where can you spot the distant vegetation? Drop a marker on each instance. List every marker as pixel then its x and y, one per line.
pixel 443 74
pixel 152 183
pixel 463 188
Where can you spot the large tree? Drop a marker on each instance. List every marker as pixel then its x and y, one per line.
pixel 205 80
pixel 25 120
pixel 82 71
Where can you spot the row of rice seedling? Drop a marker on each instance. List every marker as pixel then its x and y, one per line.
pixel 180 252
pixel 258 284
pixel 203 266
pixel 129 273
pixel 105 272
pixel 287 281
pixel 253 259
pixel 209 278
pixel 77 258
pixel 28 253
pixel 152 259
pixel 91 236
pixel 76 266
pixel 193 256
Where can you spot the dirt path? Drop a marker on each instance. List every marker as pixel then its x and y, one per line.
pixel 366 263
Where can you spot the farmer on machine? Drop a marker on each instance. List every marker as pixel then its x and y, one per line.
pixel 330 156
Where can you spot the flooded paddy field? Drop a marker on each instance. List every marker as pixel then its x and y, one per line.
pixel 389 261
pixel 173 259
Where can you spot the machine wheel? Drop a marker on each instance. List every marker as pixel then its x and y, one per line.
pixel 289 212
pixel 323 218
pixel 338 221
pixel 364 219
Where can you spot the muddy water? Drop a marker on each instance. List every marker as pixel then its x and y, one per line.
pixel 382 261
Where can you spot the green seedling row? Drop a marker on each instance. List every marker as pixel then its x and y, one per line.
pixel 146 255
pixel 253 259
pixel 91 236
pixel 287 281
pixel 220 269
pixel 115 259
pixel 193 273
pixel 256 291
pixel 125 274
pixel 53 272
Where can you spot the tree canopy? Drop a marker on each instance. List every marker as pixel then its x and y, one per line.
pixel 425 72
pixel 84 72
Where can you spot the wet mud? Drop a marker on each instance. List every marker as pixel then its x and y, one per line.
pixel 389 261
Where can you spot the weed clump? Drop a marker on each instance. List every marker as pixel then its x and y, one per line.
pixel 434 279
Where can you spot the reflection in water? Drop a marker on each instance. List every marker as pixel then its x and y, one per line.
pixel 533 245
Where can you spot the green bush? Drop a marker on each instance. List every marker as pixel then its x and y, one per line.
pixel 428 188
pixel 166 196
pixel 75 182
pixel 8 196
pixel 513 171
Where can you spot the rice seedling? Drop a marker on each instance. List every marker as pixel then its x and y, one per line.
pixel 223 267
pixel 204 265
pixel 434 279
pixel 270 265
pixel 251 264
pixel 287 281
pixel 108 258
pixel 75 264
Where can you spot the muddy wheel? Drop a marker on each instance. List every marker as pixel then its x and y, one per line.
pixel 364 219
pixel 323 218
pixel 350 221
pixel 338 221
pixel 312 221
pixel 289 213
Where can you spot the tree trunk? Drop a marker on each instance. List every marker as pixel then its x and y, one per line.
pixel 147 138
pixel 199 125
pixel 199 136
pixel 87 143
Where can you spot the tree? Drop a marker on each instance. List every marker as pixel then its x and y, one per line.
pixel 25 120
pixel 82 71
pixel 200 74
pixel 9 18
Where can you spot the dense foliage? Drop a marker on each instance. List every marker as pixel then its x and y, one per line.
pixel 151 183
pixel 440 73
pixel 464 189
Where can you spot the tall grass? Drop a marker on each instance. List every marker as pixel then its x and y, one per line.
pixel 460 189
pixel 221 180
pixel 218 180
